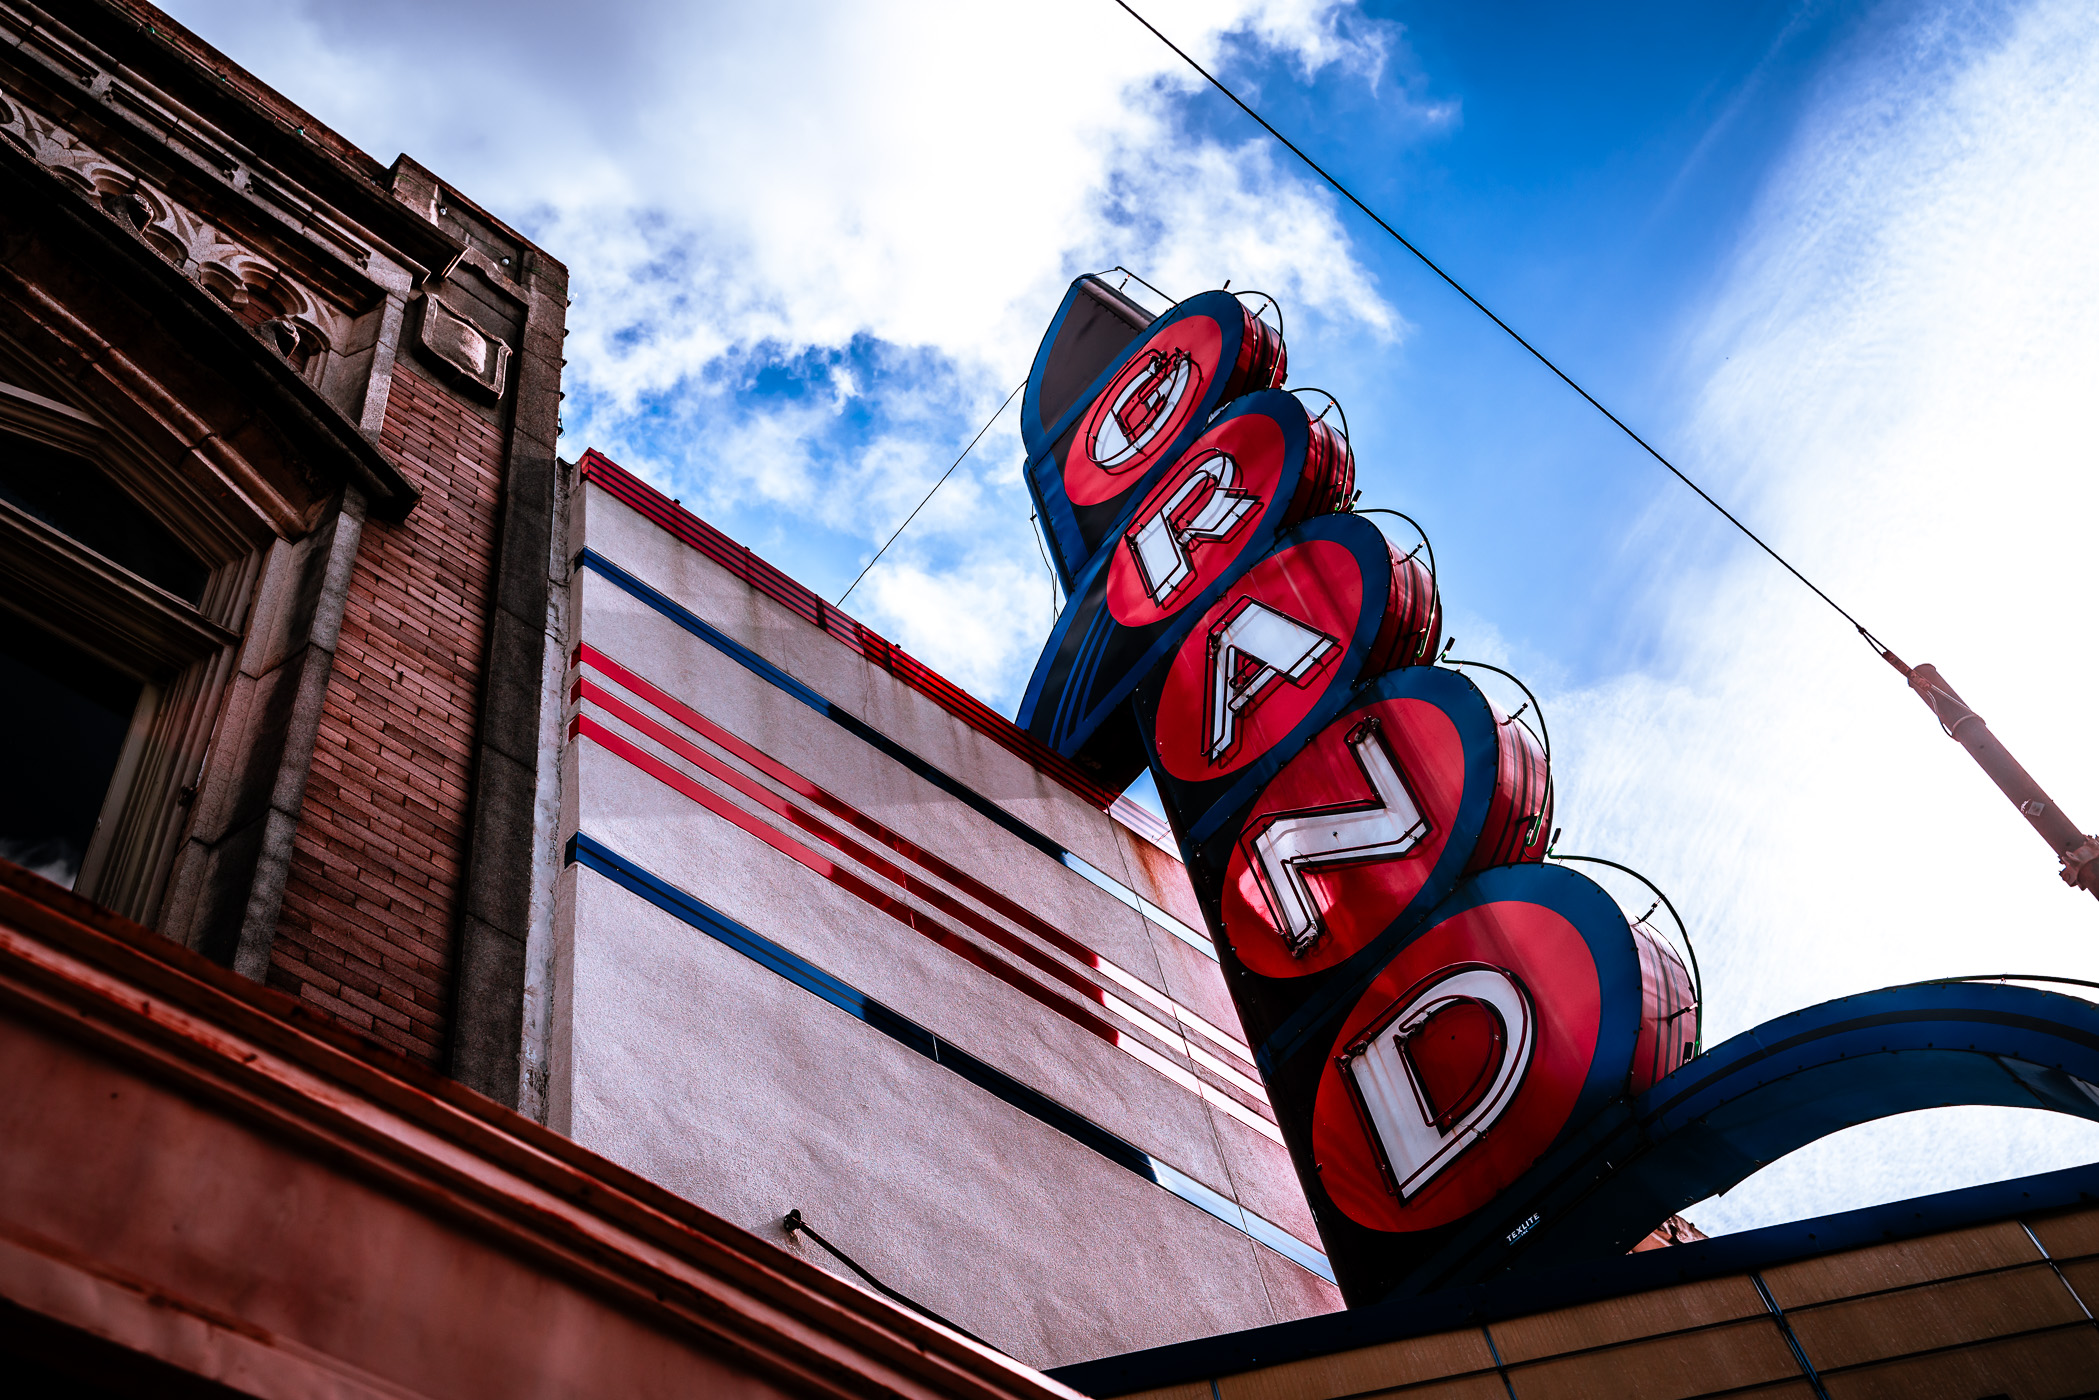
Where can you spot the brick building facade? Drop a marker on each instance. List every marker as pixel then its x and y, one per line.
pixel 378 865
pixel 346 377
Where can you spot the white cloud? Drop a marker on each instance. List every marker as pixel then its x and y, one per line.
pixel 977 613
pixel 807 172
pixel 1209 214
pixel 1897 385
pixel 735 184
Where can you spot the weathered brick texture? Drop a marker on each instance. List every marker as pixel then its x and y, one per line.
pixel 371 907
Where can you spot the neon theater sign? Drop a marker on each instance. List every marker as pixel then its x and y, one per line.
pixel 1478 1063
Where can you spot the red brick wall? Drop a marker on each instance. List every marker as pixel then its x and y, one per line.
pixel 370 909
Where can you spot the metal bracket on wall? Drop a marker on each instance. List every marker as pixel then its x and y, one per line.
pixel 792 1222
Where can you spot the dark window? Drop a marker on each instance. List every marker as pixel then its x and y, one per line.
pixel 68 713
pixel 71 496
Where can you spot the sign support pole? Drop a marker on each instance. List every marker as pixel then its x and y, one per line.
pixel 2078 851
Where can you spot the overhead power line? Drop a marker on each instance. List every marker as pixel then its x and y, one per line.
pixel 1481 307
pixel 929 495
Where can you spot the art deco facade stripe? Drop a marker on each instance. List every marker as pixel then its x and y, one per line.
pixel 889 904
pixel 851 880
pixel 596 856
pixel 696 533
pixel 983 806
pixel 590 658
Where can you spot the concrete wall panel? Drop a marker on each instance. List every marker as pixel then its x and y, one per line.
pixel 1159 876
pixel 878 786
pixel 945 1192
pixel 1194 980
pixel 1293 1292
pixel 768 892
pixel 725 1081
pixel 1264 1181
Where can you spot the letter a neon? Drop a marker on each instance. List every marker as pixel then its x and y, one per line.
pixel 1250 651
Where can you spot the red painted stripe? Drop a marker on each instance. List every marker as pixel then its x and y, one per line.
pixel 1131 1045
pixel 837 807
pixel 838 875
pixel 595 466
pixel 773 802
pixel 587 655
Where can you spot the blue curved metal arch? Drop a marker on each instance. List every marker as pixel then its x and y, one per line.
pixel 1771 1091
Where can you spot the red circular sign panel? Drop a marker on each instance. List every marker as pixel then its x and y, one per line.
pixel 1225 481
pixel 1354 897
pixel 1548 957
pixel 1135 420
pixel 1302 604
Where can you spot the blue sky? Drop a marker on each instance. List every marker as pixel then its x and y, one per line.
pixel 1833 258
pixel 1590 178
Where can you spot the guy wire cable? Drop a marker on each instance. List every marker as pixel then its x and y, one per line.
pixel 1536 353
pixel 1042 552
pixel 929 495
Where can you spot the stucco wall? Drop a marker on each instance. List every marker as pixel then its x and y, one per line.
pixel 715 1075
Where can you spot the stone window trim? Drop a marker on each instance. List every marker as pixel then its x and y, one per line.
pixel 183 654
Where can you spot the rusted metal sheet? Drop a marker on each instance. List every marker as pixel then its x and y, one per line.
pixel 2002 1244
pixel 1855 1331
pixel 2059 1362
pixel 1703 1362
pixel 1461 1352
pixel 1608 1321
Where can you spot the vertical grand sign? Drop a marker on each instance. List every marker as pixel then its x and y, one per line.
pixel 1432 1008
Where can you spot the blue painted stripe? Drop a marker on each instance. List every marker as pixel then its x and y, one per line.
pixel 1109 885
pixel 592 854
pixel 868 734
pixel 727 645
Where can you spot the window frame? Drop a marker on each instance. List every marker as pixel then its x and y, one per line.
pixel 184 655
